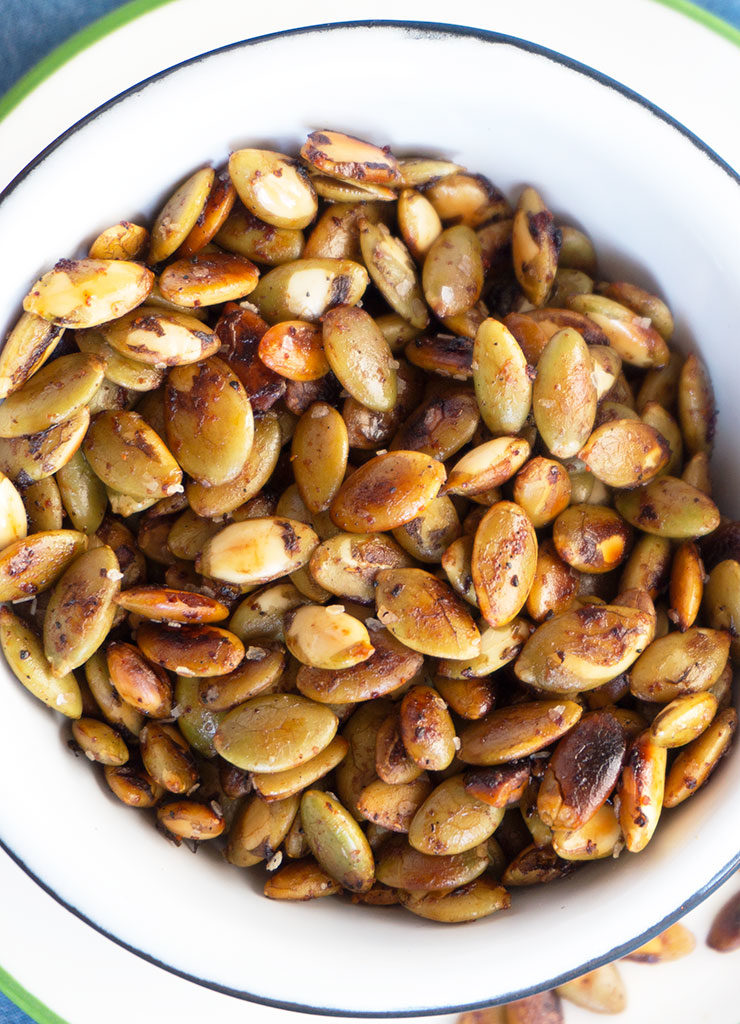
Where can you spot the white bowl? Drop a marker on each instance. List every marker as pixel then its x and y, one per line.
pixel 661 209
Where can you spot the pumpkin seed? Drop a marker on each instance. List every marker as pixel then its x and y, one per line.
pixel 601 991
pixel 188 819
pixel 477 899
pixel 258 673
pixel 640 792
pixel 683 719
pixel 13 524
pixel 30 459
pixel 248 236
pixel 528 334
pixel 393 805
pixel 114 710
pixel 457 564
pixel 543 489
pixel 53 395
pixel 336 841
pixel 554 587
pixel 535 246
pixel 197 724
pixel 672 944
pixel 132 785
pixel 635 343
pixel 696 473
pixel 207 279
pixel 273 187
pixel 305 289
pixel 180 213
pixel 659 419
pixel 260 616
pixel 357 770
pixel 82 493
pixel 164 604
pixel 661 385
pixel 402 867
pixel 576 250
pixel 257 550
pixel 503 562
pixel 392 762
pixel 445 354
pixel 326 638
pixel 452 276
pixel 428 535
pixel 669 507
pixel 625 453
pixel 347 564
pixel 499 787
pixel 344 156
pixel 499 645
pixel 489 465
pixel 387 492
pixel 536 865
pixel 25 656
pixel 511 733
pixel 417 171
pixel 161 338
pixel 584 648
pixel 564 394
pixel 687 585
pixel 28 345
pixel 302 880
pixel 425 614
pixel 393 272
pixel 427 731
pixel 680 663
pixel 391 665
pixel 81 609
pixel 167 758
pixel 32 564
pixel 418 221
pixel 295 350
pixel 190 650
pixel 99 742
pixel 696 409
pixel 440 426
pixel 275 732
pixel 336 232
pixel 258 829
pixel 145 686
pixel 696 762
pixel 336 190
pixel 591 538
pixel 211 218
pixel 451 820
pixel 360 357
pixel 642 303
pixel 648 566
pixel 128 456
pixel 88 292
pixel 279 785
pixel 722 601
pixel 569 282
pixel 460 197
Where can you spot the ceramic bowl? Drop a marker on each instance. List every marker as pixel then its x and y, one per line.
pixel 661 208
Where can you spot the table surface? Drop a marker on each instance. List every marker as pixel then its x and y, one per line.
pixel 31 30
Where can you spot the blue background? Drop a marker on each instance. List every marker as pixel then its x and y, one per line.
pixel 30 29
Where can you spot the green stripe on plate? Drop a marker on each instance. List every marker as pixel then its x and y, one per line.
pixel 80 41
pixel 705 18
pixel 28 1003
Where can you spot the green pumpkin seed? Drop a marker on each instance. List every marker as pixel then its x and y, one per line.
pixel 88 292
pixel 504 561
pixel 564 394
pixel 601 991
pixel 668 507
pixel 33 564
pixel 642 303
pixel 82 493
pixel 151 335
pixel 696 408
pixel 128 456
pixel 26 348
pixel 477 899
pixel 425 614
pixel 347 564
pixel 535 245
pixel 53 395
pixel 337 841
pixel 319 449
pixel 119 369
pixel 683 719
pixel 453 272
pixel 25 656
pixel 30 459
pixel 43 504
pixel 502 385
pixel 393 805
pixel 498 646
pixel 360 357
pixel 680 663
pixel 305 289
pixel 696 762
pixel 660 419
pixel 451 820
pixel 248 236
pixel 197 723
pixel 99 742
pixel 393 272
pixel 273 187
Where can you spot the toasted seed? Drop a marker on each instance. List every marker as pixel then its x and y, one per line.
pixel 499 645
pixel 13 524
pixel 188 819
pixel 258 829
pixel 535 246
pixel 389 667
pixel 83 494
pixel 724 935
pixel 338 190
pixel 145 686
pixel 567 282
pixel 402 867
pixel 87 292
pixel 584 648
pixel 452 277
pixel 99 742
pixel 336 232
pixel 425 614
pixel 625 453
pixel 536 865
pixel 528 334
pixel 25 656
pixel 248 236
pixel 451 820
pixel 564 394
pixel 302 880
pixel 427 731
pixel 387 492
pixel 555 584
pixel 239 331
pixel 648 566
pixel 279 785
pixel 326 638
pixel 672 944
pixel 417 171
pixel 180 213
pixel 428 535
pixel 503 562
pixel 696 762
pixel 30 459
pixel 208 279
pixel 261 615
pixel 680 663
pixel 655 416
pixel 221 499
pixel 319 453
pixel 32 564
pixel 457 564
pixel 687 585
pixel 53 395
pixel 167 758
pixel 418 221
pixel 511 733
pixel 273 187
pixel 306 288
pixel 81 609
pixel 441 425
pixel 347 564
pixel 392 762
pixel 591 538
pixel 543 489
pixel 393 272
pixel 257 550
pixel 132 785
pixel 696 473
pixel 661 385
pixel 477 899
pixel 357 769
pixel 190 650
pixel 683 719
pixel 499 787
pixel 641 302
pixel 606 368
pixel 360 357
pixel 444 354
pixel 128 456
pixel 125 505
pixel 696 408
pixel 344 156
pixel 459 197
pixel 393 805
pixel 582 772
pixel 722 601
pixel 275 732
pixel 159 337
pixel 295 350
pixel 669 508
pixel 28 345
pixel 119 369
pixel 110 396
pixel 213 215
pixel 197 723
pixel 489 465
pixel 640 792
pixel 189 533
pixel 164 604
pixel 114 710
pixel 256 674
pixel 130 559
pixel 599 837
pixel 336 841
pixel 601 991
pixel 635 343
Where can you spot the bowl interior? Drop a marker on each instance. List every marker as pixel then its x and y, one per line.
pixel 657 206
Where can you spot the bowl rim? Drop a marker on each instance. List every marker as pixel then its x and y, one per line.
pixel 429 29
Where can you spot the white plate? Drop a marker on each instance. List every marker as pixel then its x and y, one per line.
pixel 80 1002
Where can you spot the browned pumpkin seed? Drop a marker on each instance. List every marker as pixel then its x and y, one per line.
pixel 441 425
pixel 477 899
pixel 25 656
pixel 648 566
pixel 345 156
pixel 696 762
pixel 294 349
pixel 418 222
pixel 443 354
pixel 425 614
pixel 88 292
pixel 452 277
pixel 337 841
pixel 499 645
pixel 457 564
pixel 28 345
pixel 128 456
pixel 722 601
pixel 347 564
pixel 197 724
pixel 635 343
pixel 567 282
pixel 683 719
pixel 696 473
pixel 510 733
pixel 279 785
pixel 393 805
pixel 536 865
pixel 696 409
pixel 687 585
pixel 336 232
pixel 43 507
pixel 145 686
pixel 660 419
pixel 672 944
pixel 260 669
pixel 451 820
pixel 543 489
pixel 503 562
pixel 216 210
pixel 190 650
pixel 564 394
pixel 248 236
pixel 669 507
pixel 258 829
pixel 500 786
pixel 680 663
pixel 460 197
pixel 489 465
pixel 53 395
pixel 583 771
pixel 161 338
pixel 13 524
pixel 403 867
pixel 535 245
pixel 393 272
pixel 132 785
pixel 319 454
pixel 257 550
pixel 30 459
pixel 114 710
pixel 392 762
pixel 591 538
pixel 642 303
pixel 273 187
pixel 640 792
pixel 601 991
pixel 164 604
pixel 32 564
pixel 99 742
pixel 326 638
pixel 302 880
pixel 180 213
pixel 187 819
pixel 82 493
pixel 207 279
pixel 167 758
pixel 427 731
pixel 428 535
pixel 625 453
pixel 387 492
pixel 584 648
pixel 468 698
pixel 260 616
pixel 275 732
pixel 357 769
pixel 305 289
pixel 555 584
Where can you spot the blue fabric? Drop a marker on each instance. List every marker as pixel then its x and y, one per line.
pixel 30 29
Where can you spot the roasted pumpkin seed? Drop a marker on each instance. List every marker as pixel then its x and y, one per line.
pixel 680 663
pixel 669 507
pixel 273 187
pixel 161 338
pixel 564 394
pixel 696 762
pixel 88 292
pixel 144 686
pixel 336 841
pixel 696 409
pixel 503 562
pixel 304 289
pixel 510 733
pixel 425 614
pixel 601 991
pixel 302 880
pixel 591 538
pixel 25 655
pixel 640 792
pixel 30 459
pixel 393 272
pixel 451 820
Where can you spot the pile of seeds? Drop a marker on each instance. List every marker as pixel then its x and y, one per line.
pixel 445 485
